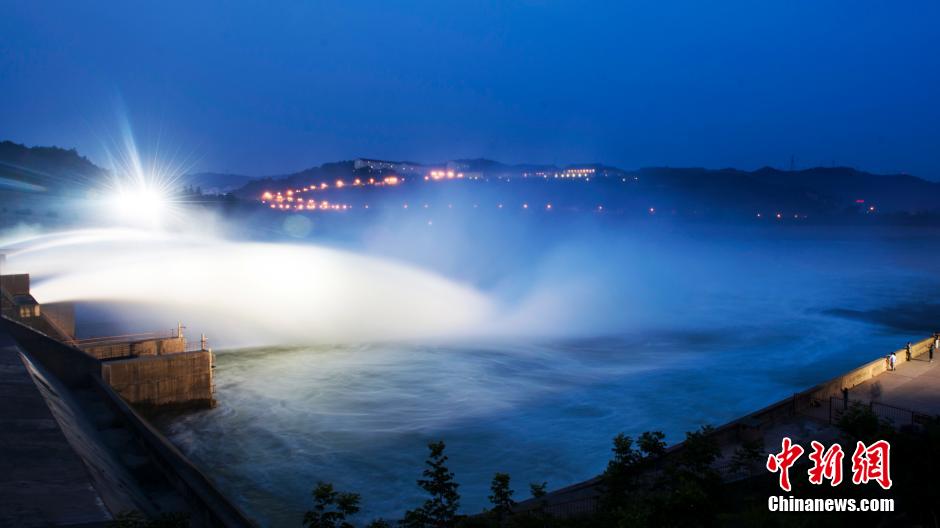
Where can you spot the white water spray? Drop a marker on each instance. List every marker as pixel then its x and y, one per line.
pixel 248 292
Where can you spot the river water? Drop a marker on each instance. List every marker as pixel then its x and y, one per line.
pixel 764 320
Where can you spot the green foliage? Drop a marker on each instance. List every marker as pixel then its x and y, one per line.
pixel 641 487
pixel 860 423
pixel 331 507
pixel 501 497
pixel 700 450
pixel 618 477
pixel 625 455
pixel 692 483
pixel 379 523
pixel 440 509
pixel 623 468
pixel 538 489
pixel 652 443
pixel 746 456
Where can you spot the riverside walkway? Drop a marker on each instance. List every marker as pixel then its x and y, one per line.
pixel 43 481
pixel 915 385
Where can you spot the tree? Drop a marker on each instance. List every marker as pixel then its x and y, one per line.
pixel 861 423
pixel 331 507
pixel 501 497
pixel 689 487
pixel 652 443
pixel 440 510
pixel 745 457
pixel 618 477
pixel 538 489
pixel 700 451
pixel 379 523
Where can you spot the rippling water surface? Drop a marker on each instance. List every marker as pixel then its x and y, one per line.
pixel 546 410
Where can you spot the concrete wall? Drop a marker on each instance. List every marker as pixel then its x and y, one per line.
pixel 109 351
pixel 15 284
pixel 183 379
pixel 156 347
pixel 70 365
pixel 146 347
pixel 62 316
pixel 209 507
pixel 151 381
pixel 856 376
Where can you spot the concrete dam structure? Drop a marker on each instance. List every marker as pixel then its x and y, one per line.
pixel 150 371
pixel 77 449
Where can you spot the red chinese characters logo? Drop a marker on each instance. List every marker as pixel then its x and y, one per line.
pixel 826 464
pixel 782 461
pixel 869 463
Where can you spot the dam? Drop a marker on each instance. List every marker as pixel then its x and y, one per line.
pixel 74 422
pixel 151 371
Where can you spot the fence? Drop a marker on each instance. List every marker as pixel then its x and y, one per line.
pixel 125 338
pixel 897 416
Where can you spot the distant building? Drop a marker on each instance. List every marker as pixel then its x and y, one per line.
pixel 401 167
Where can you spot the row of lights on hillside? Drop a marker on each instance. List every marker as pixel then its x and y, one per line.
pixel 434 175
pixel 268 196
pixel 325 205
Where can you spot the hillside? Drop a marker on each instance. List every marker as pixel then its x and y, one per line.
pixel 215 182
pixel 50 169
pixel 689 192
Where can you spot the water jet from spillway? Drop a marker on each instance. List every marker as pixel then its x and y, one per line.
pixel 249 292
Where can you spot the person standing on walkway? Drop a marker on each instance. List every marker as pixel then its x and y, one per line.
pixel 892 359
pixel 933 346
pixel 908 350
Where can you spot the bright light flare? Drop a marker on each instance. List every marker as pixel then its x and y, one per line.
pixel 140 205
pixel 142 192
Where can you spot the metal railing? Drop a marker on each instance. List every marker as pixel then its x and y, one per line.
pixel 899 416
pixel 124 338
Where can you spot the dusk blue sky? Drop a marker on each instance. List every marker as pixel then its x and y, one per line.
pixel 273 87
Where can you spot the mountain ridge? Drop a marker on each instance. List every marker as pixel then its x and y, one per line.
pixel 817 190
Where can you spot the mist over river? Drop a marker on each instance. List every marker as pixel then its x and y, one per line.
pixel 696 330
